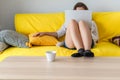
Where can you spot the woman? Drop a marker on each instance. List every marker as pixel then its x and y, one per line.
pixel 78 35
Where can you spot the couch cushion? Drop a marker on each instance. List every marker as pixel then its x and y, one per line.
pixel 13 38
pixel 35 51
pixel 108 24
pixel 106 49
pixel 30 23
pixel 42 40
pixel 101 49
pixel 115 40
pixel 3 46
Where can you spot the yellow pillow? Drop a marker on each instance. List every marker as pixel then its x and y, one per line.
pixel 41 41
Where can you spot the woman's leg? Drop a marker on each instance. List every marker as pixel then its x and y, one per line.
pixel 73 36
pixel 86 35
pixel 68 39
pixel 86 38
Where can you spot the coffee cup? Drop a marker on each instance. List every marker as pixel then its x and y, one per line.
pixel 50 56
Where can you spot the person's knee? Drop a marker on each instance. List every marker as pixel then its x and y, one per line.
pixel 73 24
pixel 82 22
pixel 73 21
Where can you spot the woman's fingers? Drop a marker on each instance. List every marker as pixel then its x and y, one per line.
pixel 35 35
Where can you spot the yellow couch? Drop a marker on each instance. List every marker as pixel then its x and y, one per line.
pixel 107 22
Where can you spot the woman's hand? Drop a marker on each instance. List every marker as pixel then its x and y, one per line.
pixel 39 34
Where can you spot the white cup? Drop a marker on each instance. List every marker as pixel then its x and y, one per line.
pixel 50 56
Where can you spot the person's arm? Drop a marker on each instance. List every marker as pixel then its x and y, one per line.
pixel 61 32
pixel 57 34
pixel 54 34
pixel 94 32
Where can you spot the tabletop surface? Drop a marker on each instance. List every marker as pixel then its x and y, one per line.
pixel 63 68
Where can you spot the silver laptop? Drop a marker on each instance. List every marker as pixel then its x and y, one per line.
pixel 78 15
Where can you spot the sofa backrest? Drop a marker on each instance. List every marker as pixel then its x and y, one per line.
pixel 108 23
pixel 30 23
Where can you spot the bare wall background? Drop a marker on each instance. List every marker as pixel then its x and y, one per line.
pixel 8 8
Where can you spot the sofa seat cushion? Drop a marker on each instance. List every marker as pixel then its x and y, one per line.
pixel 34 51
pixel 101 49
pixel 106 49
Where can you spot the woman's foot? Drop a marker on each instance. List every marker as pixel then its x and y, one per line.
pixel 88 53
pixel 79 54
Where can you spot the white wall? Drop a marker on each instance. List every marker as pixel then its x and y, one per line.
pixel 8 8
